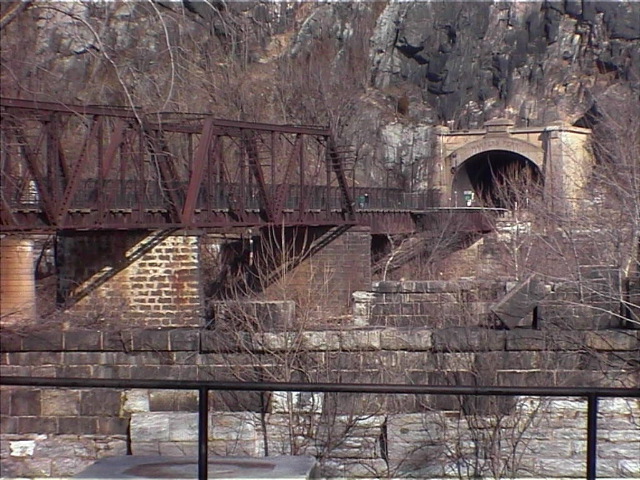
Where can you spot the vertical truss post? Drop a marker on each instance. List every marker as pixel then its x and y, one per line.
pixel 336 164
pixel 240 199
pixel 100 145
pixel 221 190
pixel 214 185
pixel 249 141
pixel 50 164
pixel 197 171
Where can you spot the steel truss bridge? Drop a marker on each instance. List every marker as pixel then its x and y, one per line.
pixel 72 167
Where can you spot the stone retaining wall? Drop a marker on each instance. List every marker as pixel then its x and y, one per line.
pixel 592 305
pixel 435 303
pixel 353 435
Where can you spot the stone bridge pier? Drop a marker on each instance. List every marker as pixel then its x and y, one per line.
pixel 329 265
pixel 315 269
pixel 150 278
pixel 17 280
pixel 156 279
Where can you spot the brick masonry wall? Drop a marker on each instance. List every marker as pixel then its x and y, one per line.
pixel 327 279
pixel 151 280
pixel 58 432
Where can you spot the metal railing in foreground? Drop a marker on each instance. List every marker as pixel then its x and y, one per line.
pixel 592 394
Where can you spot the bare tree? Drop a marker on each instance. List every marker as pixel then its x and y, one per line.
pixel 276 333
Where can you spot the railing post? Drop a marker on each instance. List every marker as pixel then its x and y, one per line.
pixel 203 433
pixel 592 435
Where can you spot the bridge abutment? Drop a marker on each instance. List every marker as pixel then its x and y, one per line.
pixel 155 280
pixel 151 278
pixel 326 280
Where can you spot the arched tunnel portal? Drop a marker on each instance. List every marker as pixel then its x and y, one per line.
pixel 496 179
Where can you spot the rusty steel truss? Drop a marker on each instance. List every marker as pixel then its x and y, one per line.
pixel 73 167
pixel 95 167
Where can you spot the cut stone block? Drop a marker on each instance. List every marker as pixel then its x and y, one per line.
pixel 519 301
pixel 273 315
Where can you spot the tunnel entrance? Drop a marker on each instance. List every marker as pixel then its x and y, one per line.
pixel 496 179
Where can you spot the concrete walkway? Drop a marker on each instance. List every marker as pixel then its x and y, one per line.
pixel 176 468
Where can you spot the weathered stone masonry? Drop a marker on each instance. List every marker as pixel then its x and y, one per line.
pixel 156 280
pixel 153 278
pixel 327 279
pixel 58 432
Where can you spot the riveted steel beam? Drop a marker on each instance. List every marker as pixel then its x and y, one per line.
pixel 197 172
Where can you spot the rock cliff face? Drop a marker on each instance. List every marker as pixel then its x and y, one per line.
pixel 536 62
pixel 375 71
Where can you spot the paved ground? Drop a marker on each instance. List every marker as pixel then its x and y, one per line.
pixel 155 467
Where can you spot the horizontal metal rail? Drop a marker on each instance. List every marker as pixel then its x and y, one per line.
pixel 155 118
pixel 592 394
pixel 385 388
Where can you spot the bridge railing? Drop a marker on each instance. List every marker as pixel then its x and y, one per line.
pixel 153 194
pixel 592 395
pixel 380 198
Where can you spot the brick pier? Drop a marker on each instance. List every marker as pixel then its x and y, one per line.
pixel 151 279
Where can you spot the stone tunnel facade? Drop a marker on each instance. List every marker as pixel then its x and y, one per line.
pixel 557 157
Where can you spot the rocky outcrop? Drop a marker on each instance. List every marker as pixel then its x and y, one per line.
pixel 538 62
